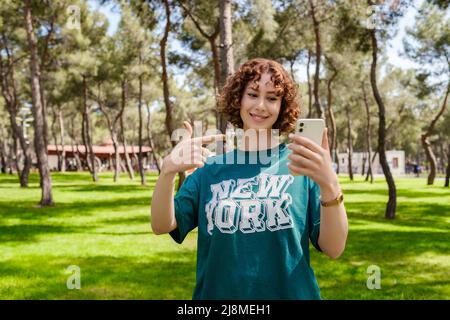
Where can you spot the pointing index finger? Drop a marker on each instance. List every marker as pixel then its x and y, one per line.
pixel 209 139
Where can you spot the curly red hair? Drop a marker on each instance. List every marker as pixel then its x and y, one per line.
pixel 231 95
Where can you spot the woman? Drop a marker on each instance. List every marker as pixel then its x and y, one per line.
pixel 255 218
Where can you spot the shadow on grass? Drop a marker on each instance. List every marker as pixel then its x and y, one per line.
pixel 70 179
pixel 166 275
pixel 25 210
pixel 125 233
pixel 104 188
pixel 387 245
pixel 127 220
pixel 413 194
pixel 30 232
pixel 432 215
pixel 411 265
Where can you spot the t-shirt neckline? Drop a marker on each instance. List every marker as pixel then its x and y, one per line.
pixel 280 146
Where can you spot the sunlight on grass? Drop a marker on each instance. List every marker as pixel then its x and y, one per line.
pixel 104 228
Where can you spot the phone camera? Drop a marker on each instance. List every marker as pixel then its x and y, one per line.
pixel 301 124
pixel 301 130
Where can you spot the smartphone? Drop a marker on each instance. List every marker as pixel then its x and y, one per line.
pixel 311 129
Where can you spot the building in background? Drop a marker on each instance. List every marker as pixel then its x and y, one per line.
pixel 395 159
pixel 104 155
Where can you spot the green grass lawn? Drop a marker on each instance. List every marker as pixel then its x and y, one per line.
pixel 104 229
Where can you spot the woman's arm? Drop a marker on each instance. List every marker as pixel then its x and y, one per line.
pixel 162 208
pixel 188 154
pixel 314 161
pixel 333 223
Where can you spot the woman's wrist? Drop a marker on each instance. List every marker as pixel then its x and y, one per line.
pixel 330 189
pixel 166 169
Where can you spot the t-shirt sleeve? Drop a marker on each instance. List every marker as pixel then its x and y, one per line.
pixel 314 214
pixel 186 202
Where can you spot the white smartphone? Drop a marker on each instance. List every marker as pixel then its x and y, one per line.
pixel 311 129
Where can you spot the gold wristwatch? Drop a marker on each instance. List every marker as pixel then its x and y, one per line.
pixel 338 200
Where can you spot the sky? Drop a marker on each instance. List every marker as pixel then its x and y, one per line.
pixel 394 47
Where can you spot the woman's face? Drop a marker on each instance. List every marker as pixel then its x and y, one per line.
pixel 260 108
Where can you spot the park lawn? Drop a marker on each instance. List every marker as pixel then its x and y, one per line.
pixel 104 229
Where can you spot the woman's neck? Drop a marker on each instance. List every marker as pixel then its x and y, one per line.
pixel 258 139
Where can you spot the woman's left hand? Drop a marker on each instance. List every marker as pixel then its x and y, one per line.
pixel 310 159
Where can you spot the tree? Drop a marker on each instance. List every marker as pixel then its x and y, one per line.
pixel 12 43
pixel 206 22
pixel 226 49
pixel 39 119
pixel 83 48
pixel 392 202
pixel 429 45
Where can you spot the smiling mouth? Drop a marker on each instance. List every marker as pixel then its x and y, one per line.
pixel 258 118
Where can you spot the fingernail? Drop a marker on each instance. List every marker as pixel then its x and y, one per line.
pixel 291 135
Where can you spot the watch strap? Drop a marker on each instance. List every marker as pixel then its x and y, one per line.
pixel 334 202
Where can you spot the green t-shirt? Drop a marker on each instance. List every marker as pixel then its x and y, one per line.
pixel 255 221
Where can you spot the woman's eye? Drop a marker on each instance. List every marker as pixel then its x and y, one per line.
pixel 252 95
pixel 273 99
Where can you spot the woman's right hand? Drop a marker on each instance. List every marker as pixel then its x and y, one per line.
pixel 189 152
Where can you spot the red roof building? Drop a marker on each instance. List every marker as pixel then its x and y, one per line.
pixel 104 153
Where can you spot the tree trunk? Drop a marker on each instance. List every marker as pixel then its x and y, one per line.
pixel 442 155
pixel 217 87
pixel 14 157
pixel 18 134
pixel 9 93
pixel 128 166
pixel 75 153
pixel 331 115
pixel 392 202
pixel 140 156
pixel 55 139
pixel 113 132
pixel 117 159
pixel 368 136
pixel 336 156
pixel 291 65
pixel 426 144
pixel 316 24
pixel 349 143
pixel 3 152
pixel 226 54
pixel 122 129
pixel 90 156
pixel 167 103
pixel 3 159
pixel 364 158
pixel 308 76
pixel 83 137
pixel 38 114
pixel 447 173
pixel 430 157
pixel 150 139
pixel 61 137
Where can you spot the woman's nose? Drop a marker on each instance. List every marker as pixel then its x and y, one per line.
pixel 260 103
